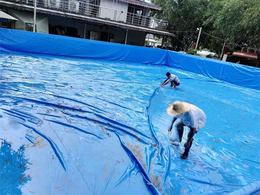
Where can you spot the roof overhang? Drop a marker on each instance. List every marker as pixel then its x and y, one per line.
pixel 242 54
pixel 6 16
pixel 107 22
pixel 143 4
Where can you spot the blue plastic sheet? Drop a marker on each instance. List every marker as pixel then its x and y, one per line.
pixel 88 124
pixel 21 41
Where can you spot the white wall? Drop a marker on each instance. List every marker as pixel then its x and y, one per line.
pixel 43 25
pixel 23 17
pixel 19 25
pixel 114 11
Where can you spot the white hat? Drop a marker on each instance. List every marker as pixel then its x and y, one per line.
pixel 177 108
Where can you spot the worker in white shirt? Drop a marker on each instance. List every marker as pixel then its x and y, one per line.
pixel 171 78
pixel 191 116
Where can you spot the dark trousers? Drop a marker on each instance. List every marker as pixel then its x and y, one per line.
pixel 174 83
pixel 180 128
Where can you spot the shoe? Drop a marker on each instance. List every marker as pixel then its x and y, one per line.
pixel 183 156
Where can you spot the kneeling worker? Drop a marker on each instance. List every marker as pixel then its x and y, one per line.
pixel 190 116
pixel 171 78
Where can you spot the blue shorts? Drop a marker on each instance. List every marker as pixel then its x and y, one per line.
pixel 175 83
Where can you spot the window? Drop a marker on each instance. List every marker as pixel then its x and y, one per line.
pixel 29 27
pixel 94 35
pixel 3 23
pixel 136 10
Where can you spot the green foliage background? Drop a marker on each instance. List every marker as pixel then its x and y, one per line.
pixel 237 21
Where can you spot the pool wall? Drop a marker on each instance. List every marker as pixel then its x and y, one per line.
pixel 37 43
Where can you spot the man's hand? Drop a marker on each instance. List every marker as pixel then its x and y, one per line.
pixel 161 85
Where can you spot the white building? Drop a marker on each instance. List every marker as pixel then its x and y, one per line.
pixel 119 21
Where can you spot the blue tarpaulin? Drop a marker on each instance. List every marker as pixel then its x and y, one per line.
pixel 88 117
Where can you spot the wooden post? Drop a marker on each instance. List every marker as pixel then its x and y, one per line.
pixel 126 34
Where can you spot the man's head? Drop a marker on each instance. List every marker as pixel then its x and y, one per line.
pixel 168 74
pixel 177 108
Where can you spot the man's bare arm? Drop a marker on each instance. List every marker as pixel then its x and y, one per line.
pixel 174 119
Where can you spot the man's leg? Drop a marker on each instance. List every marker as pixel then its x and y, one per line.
pixel 172 84
pixel 186 152
pixel 180 127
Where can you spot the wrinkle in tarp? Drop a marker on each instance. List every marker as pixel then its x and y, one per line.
pixel 97 124
pixel 86 126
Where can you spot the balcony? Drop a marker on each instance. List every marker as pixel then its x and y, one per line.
pixel 95 11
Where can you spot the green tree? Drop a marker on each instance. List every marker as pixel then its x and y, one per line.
pixel 183 17
pixel 237 21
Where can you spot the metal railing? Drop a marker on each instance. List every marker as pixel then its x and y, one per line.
pixel 92 10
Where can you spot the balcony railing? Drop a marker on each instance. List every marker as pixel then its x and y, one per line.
pixel 92 10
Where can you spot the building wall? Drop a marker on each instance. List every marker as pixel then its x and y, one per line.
pixel 113 10
pixel 42 22
pixel 78 28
